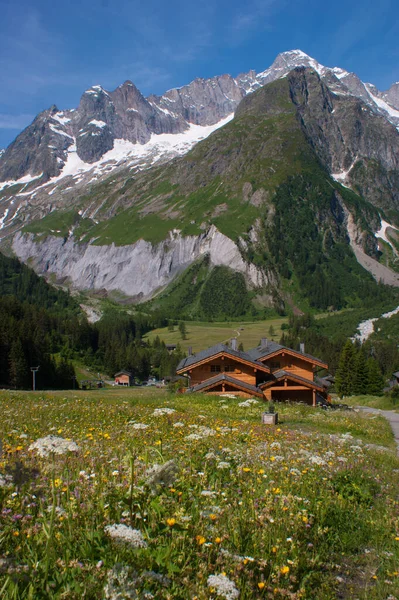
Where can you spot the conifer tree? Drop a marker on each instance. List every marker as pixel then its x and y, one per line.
pixel 19 368
pixel 360 381
pixel 375 378
pixel 344 376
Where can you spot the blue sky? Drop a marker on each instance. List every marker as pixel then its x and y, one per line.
pixel 51 52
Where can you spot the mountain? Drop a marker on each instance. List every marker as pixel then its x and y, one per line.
pixel 298 193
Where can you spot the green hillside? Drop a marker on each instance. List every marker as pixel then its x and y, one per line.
pixel 259 181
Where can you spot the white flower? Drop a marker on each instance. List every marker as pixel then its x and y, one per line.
pixel 317 460
pixel 248 403
pixel 52 444
pixel 123 533
pixel 208 493
pixel 178 424
pixel 223 465
pixel 275 445
pixel 356 448
pixel 161 475
pixel 139 426
pixel 159 412
pixel 223 586
pixel 210 456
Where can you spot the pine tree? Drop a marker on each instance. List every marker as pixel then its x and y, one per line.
pixel 344 376
pixel 360 381
pixel 375 378
pixel 183 330
pixel 19 368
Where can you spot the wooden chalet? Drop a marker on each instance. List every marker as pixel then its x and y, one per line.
pixel 269 371
pixel 123 378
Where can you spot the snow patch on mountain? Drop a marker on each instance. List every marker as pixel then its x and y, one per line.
pixel 381 103
pixel 382 233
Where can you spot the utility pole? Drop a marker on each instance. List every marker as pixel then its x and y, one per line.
pixel 34 371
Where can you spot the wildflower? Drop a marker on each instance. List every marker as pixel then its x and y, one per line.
pixel 248 403
pixel 317 460
pixel 161 475
pixel 246 469
pixel 123 533
pixel 52 444
pixel 284 570
pixel 171 522
pixel 159 412
pixel 223 465
pixel 261 585
pixel 208 493
pixel 178 424
pixel 200 539
pixel 139 426
pixel 223 586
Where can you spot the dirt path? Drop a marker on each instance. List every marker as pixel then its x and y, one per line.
pixel 392 417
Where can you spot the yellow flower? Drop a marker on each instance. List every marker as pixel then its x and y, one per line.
pixel 213 517
pixel 57 482
pixel 218 540
pixel 261 471
pixel 246 469
pixel 261 585
pixel 200 540
pixel 171 522
pixel 158 442
pixel 274 549
pixel 284 570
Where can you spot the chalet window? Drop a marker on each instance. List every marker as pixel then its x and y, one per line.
pixel 274 365
pixel 229 368
pixel 215 369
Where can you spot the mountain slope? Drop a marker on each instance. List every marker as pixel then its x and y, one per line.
pixel 255 196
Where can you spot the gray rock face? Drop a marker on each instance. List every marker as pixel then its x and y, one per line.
pixel 203 101
pixel 102 116
pixel 40 149
pixel 137 270
pixel 392 95
pixel 349 137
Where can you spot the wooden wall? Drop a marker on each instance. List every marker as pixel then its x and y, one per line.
pixel 291 364
pixel 239 371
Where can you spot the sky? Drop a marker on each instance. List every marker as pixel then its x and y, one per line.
pixel 50 53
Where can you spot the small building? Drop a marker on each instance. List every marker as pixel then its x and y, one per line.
pixel 124 378
pixel 269 371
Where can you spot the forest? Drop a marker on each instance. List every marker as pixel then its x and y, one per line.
pixel 43 326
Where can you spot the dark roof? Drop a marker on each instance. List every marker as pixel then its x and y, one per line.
pixel 222 377
pixel 282 374
pixel 272 347
pixel 325 381
pixel 396 374
pixel 217 349
pixel 123 373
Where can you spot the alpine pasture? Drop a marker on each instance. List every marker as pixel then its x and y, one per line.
pixel 144 494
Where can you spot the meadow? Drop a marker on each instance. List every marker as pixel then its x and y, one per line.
pixel 145 494
pixel 202 335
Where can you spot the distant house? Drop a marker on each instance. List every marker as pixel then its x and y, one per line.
pixel 124 378
pixel 269 371
pixel 171 347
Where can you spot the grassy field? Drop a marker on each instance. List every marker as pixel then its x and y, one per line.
pixel 203 335
pixel 144 494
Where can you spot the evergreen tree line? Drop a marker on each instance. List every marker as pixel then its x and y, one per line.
pixel 356 373
pixel 358 369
